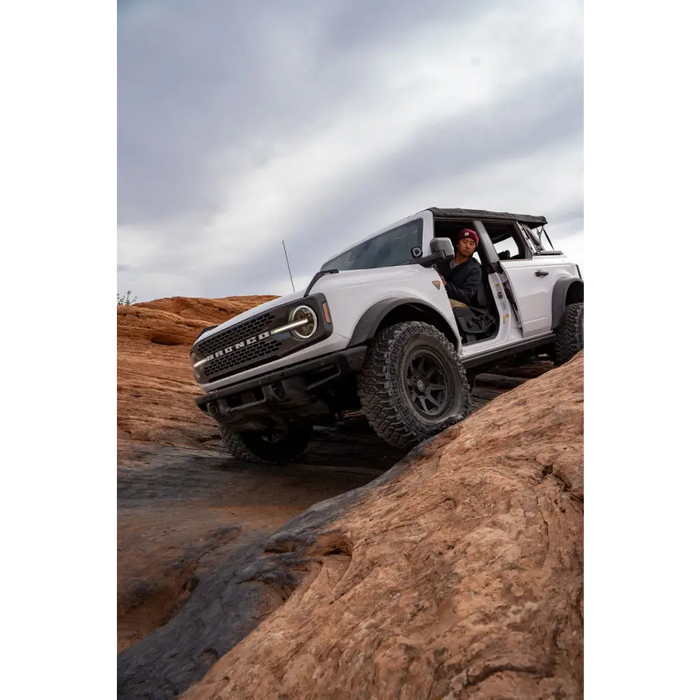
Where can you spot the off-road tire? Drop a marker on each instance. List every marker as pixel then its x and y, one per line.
pixel 250 446
pixel 569 339
pixel 384 389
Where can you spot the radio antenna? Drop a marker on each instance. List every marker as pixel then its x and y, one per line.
pixel 286 257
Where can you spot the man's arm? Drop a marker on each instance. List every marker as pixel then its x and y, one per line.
pixel 467 291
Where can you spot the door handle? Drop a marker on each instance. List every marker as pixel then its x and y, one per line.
pixel 541 273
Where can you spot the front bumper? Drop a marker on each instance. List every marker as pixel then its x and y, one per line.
pixel 282 397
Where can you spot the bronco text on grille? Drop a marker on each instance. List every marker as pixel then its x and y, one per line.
pixel 242 346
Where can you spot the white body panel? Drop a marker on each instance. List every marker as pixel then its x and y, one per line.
pixel 353 292
pixel 349 295
pixel 533 292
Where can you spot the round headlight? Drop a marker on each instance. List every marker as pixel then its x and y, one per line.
pixel 303 313
pixel 194 359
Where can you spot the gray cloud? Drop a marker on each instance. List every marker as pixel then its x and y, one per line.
pixel 467 142
pixel 196 78
pixel 212 96
pixel 356 27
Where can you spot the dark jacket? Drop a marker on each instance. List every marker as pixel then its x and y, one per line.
pixel 462 280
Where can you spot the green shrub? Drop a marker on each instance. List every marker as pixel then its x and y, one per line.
pixel 125 299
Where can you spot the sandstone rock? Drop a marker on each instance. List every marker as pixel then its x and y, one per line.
pixel 155 386
pixel 455 574
pixel 459 575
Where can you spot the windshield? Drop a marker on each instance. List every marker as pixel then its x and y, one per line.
pixel 385 250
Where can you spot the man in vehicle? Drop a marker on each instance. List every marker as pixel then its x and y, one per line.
pixel 462 275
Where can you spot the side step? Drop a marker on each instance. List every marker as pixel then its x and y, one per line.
pixel 500 353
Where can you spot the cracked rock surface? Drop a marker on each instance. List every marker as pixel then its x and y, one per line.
pixel 456 573
pixel 459 575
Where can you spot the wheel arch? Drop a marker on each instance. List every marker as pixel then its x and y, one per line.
pixel 390 311
pixel 568 290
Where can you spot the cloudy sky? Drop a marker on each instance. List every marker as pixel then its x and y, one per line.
pixel 244 123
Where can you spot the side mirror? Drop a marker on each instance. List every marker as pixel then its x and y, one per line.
pixel 442 245
pixel 440 249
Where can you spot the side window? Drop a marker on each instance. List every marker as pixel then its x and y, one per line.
pixel 507 249
pixel 527 231
pixel 387 249
pixel 508 241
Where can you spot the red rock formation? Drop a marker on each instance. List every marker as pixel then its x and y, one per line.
pixel 155 386
pixel 457 574
pixel 461 577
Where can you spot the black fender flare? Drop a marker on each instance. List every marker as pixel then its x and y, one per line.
pixel 371 319
pixel 559 295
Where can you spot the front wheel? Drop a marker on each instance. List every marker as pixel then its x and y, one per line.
pixel 266 447
pixel 412 385
pixel 569 339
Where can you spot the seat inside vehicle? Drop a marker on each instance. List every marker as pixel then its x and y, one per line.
pixel 479 321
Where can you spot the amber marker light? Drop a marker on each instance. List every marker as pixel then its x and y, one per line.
pixel 326 312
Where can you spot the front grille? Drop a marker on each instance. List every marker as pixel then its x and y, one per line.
pixel 255 354
pixel 260 352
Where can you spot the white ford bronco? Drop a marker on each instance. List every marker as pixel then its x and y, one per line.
pixel 374 333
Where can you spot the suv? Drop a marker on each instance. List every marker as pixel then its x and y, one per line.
pixel 374 333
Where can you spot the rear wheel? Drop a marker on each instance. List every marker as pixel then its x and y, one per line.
pixel 268 447
pixel 569 339
pixel 413 385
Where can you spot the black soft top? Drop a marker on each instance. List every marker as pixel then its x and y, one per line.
pixel 483 214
